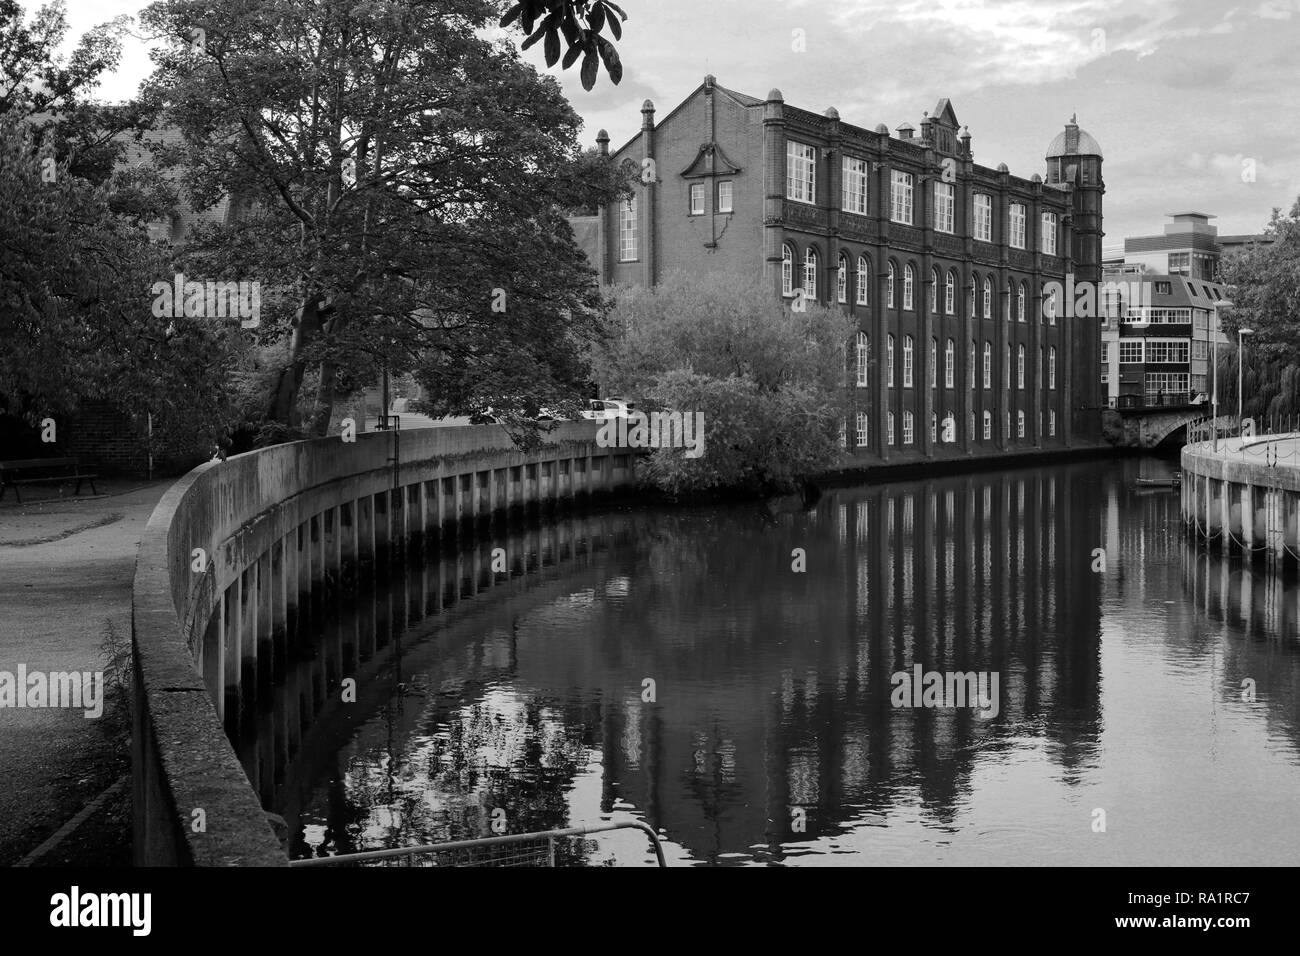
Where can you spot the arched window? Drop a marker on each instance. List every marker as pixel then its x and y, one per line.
pixel 1006 311
pixel 950 293
pixel 1006 367
pixel 949 360
pixel 810 274
pixel 1051 421
pixel 934 291
pixel 1020 424
pixel 889 287
pixel 862 349
pixel 1051 306
pixel 934 428
pixel 1051 367
pixel 950 426
pixel 862 423
pixel 988 364
pixel 909 283
pixel 889 360
pixel 934 362
pixel 988 298
pixel 970 371
pixel 907 361
pixel 908 429
pixel 1020 304
pixel 988 425
pixel 787 269
pixel 889 428
pixel 864 280
pixel 974 281
pixel 842 280
pixel 1020 367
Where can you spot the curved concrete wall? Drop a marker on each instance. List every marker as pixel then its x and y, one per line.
pixel 234 546
pixel 1245 503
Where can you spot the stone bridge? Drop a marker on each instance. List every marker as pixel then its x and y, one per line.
pixel 1152 427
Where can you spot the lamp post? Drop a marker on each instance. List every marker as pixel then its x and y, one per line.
pixel 1241 335
pixel 1214 344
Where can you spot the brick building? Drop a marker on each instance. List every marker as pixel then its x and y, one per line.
pixel 942 261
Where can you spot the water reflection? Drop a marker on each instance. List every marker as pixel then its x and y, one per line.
pixel 771 737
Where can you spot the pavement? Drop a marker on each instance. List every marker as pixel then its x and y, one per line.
pixel 66 566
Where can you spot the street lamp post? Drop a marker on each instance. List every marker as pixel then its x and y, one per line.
pixel 1214 344
pixel 1241 335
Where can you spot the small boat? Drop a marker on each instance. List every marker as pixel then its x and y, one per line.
pixel 1172 481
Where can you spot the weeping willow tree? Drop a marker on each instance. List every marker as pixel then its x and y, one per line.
pixel 1266 297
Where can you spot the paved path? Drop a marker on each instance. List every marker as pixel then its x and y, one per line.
pixel 65 578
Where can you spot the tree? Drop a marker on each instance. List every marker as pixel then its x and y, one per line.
pixel 580 23
pixel 401 182
pixel 769 380
pixel 1265 291
pixel 76 308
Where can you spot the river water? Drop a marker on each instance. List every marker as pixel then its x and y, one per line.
pixel 729 674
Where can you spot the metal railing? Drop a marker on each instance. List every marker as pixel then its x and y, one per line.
pixel 518 849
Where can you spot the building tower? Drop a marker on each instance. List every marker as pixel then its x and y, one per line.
pixel 1074 162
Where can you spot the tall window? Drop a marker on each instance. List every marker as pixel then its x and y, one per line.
pixel 1051 421
pixel 1051 367
pixel 697 199
pixel 1051 307
pixel 907 361
pixel 949 360
pixel 983 217
pixel 854 197
pixel 988 364
pixel 787 269
pixel 1020 367
pixel 889 360
pixel 1006 308
pixel 988 298
pixel 724 196
pixel 889 287
pixel 889 428
pixel 988 425
pixel 934 291
pixel 934 428
pixel 800 172
pixel 909 284
pixel 1006 367
pixel 1020 303
pixel 934 362
pixel 970 371
pixel 810 274
pixel 907 428
pixel 1038 378
pixel 944 201
pixel 627 232
pixel 1017 226
pixel 950 293
pixel 862 428
pixel 1047 242
pixel 1020 424
pixel 842 280
pixel 900 209
pixel 1006 424
pixel 862 350
pixel 974 281
pixel 864 280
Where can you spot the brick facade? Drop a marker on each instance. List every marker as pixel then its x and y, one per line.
pixel 718 136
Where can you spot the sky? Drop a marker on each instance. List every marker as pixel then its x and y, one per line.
pixel 1194 102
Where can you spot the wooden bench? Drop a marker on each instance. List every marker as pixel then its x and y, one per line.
pixel 32 471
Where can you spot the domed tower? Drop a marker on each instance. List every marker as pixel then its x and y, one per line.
pixel 1074 158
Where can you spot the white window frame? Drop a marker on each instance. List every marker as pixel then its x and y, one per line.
pixel 800 172
pixel 1020 367
pixel 1051 366
pixel 909 430
pixel 842 280
pixel 949 360
pixel 909 350
pixel 864 281
pixel 1017 216
pixel 726 196
pixel 696 193
pixel 1047 236
pixel 949 292
pixel 810 263
pixel 862 430
pixel 945 198
pixel 889 358
pixel 988 424
pixel 627 232
pixel 983 217
pixel 900 197
pixel 861 349
pixel 853 190
pixel 787 270
pixel 909 288
pixel 988 365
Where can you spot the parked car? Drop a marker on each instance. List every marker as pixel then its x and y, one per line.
pixel 602 409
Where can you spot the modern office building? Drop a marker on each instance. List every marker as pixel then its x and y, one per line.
pixel 942 261
pixel 1162 316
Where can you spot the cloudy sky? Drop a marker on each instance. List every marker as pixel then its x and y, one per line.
pixel 1194 102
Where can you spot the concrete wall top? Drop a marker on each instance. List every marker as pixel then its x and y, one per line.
pixel 1248 467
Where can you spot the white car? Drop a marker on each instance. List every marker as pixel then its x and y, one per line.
pixel 602 409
